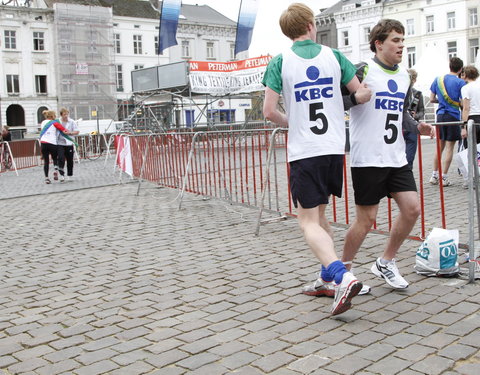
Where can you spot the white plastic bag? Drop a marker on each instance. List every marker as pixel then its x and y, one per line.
pixel 437 255
pixel 462 160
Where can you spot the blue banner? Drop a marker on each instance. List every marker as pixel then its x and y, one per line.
pixel 167 35
pixel 245 24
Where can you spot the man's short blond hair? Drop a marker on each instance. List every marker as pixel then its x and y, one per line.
pixel 295 19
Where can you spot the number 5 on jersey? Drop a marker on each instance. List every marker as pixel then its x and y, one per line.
pixel 316 114
pixel 390 126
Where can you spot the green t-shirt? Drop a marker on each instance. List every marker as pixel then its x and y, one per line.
pixel 306 49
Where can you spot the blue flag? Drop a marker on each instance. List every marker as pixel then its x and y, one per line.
pixel 246 21
pixel 167 35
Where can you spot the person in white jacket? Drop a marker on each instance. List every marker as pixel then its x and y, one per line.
pixel 65 146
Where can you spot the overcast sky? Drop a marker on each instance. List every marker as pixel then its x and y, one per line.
pixel 267 36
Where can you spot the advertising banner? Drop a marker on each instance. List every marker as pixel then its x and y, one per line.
pixel 223 78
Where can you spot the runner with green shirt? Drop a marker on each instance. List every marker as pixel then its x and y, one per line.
pixel 309 77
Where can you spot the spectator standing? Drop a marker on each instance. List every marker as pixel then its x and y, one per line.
pixel 470 105
pixel 446 91
pixel 66 150
pixel 416 107
pixel 6 135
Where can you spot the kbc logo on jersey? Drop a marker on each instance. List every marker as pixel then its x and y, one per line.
pixel 391 100
pixel 315 88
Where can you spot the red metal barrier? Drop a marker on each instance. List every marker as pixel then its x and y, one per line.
pixel 232 165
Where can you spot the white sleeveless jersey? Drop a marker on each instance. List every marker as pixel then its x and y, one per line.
pixel 314 105
pixel 50 136
pixel 376 138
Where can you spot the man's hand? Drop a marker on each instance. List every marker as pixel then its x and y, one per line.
pixel 464 133
pixel 426 129
pixel 363 93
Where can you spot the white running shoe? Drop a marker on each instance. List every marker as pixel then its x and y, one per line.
pixel 433 180
pixel 390 273
pixel 319 288
pixel 365 290
pixel 344 292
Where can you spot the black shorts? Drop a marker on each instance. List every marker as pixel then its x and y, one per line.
pixel 371 184
pixel 313 180
pixel 448 132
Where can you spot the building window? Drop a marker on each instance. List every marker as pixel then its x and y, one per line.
pixel 472 17
pixel 41 84
pixel 345 41
pixel 137 44
pixel 451 20
pixel 186 49
pixel 10 39
pixel 67 86
pixel 472 50
pixel 116 43
pixel 92 48
pixel 430 24
pixel 410 27
pixel 65 46
pixel 38 41
pixel 119 77
pixel 452 49
pixel 232 51
pixel 210 50
pixel 93 87
pixel 324 39
pixel 411 56
pixel 136 67
pixel 155 42
pixel 13 84
pixel 366 34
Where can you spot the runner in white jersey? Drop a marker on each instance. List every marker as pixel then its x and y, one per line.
pixel 315 100
pixel 378 162
pixel 387 148
pixel 309 77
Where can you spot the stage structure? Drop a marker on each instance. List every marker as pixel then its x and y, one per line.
pixel 86 62
pixel 197 94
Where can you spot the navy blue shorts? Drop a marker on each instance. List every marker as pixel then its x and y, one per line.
pixel 448 132
pixel 313 180
pixel 371 184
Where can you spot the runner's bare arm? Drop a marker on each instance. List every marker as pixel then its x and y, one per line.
pixel 270 108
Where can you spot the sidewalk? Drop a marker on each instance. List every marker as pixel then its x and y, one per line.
pixel 94 280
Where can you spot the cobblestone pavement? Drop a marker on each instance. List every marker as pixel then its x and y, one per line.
pixel 99 280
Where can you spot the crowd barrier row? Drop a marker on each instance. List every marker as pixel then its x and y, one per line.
pixel 249 167
pixel 26 153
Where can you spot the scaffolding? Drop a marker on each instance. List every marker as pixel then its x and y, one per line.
pixel 86 62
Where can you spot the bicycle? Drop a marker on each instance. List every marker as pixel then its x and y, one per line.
pixel 93 146
pixel 5 157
